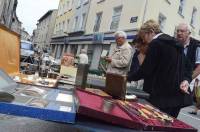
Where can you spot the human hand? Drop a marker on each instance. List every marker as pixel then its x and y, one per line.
pixel 184 86
pixel 108 59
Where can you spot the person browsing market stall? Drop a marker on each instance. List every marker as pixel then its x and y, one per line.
pixel 165 73
pixel 191 47
pixel 192 52
pixel 119 60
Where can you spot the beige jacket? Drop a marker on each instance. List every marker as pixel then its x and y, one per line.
pixel 121 59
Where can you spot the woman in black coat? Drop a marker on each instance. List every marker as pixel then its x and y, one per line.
pixel 166 77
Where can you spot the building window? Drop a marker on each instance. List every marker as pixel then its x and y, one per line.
pixel 85 1
pixel 78 3
pixel 97 21
pixel 75 25
pixel 71 4
pixel 82 21
pixel 68 21
pixel 194 15
pixel 162 21
pixel 99 1
pixel 193 33
pixel 59 26
pixel 116 18
pixel 168 1
pixel 63 9
pixel 181 7
pixel 63 26
pixel 68 5
pixel 175 31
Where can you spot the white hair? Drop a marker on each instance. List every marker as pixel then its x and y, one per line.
pixel 188 27
pixel 121 34
pixel 83 51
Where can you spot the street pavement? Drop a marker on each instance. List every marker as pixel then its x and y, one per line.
pixel 193 120
pixel 24 124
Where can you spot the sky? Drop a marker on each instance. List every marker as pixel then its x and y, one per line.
pixel 30 11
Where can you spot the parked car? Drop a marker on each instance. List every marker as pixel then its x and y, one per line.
pixel 27 49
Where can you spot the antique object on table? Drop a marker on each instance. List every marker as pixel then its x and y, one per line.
pixel 138 92
pixel 28 68
pixel 136 115
pixel 33 91
pixel 67 60
pixel 43 71
pixel 55 67
pixel 67 80
pixel 35 80
pixel 81 76
pixel 52 75
pixel 36 102
pixel 6 97
pixel 147 112
pixel 43 74
pixel 98 92
pixel 69 71
pixel 107 105
pixel 40 103
pixel 116 85
pixel 130 97
pixel 29 72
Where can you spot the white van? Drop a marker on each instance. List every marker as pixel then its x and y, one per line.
pixel 26 49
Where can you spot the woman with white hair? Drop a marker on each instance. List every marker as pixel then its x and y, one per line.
pixel 119 60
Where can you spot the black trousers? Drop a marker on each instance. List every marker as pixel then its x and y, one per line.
pixel 172 111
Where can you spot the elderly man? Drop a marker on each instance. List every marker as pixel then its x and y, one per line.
pixel 191 50
pixel 163 70
pixel 119 61
pixel 191 47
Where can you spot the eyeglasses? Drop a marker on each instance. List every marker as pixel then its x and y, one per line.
pixel 181 30
pixel 117 38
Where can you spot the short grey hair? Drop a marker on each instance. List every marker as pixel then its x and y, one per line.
pixel 121 34
pixel 83 51
pixel 188 27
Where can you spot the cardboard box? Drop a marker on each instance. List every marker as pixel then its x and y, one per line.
pixel 9 50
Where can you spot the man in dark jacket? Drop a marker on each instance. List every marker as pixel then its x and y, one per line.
pixel 191 50
pixel 191 47
pixel 166 78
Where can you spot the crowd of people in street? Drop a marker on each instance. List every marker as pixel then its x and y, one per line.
pixel 167 64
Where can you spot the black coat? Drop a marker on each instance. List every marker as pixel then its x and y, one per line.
pixel 135 65
pixel 163 70
pixel 191 52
